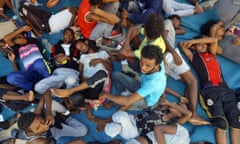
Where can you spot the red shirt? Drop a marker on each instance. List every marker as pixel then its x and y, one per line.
pixel 85 26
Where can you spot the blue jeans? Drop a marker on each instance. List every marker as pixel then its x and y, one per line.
pixel 16 6
pixel 61 76
pixel 124 82
pixel 26 79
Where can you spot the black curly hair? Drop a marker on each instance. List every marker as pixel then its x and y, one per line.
pixel 205 28
pixel 95 2
pixel 152 52
pixel 154 26
pixel 174 16
pixel 25 120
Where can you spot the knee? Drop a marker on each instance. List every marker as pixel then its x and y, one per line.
pixel 219 122
pixel 116 75
pixel 84 130
pixel 71 81
pixel 119 116
pixel 39 88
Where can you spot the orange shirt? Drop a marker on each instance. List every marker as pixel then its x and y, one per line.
pixel 85 26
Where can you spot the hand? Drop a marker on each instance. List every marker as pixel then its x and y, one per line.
pixel 236 42
pixel 49 119
pixel 183 100
pixel 164 102
pixel 27 28
pixel 94 62
pixel 124 14
pixel 11 56
pixel 177 59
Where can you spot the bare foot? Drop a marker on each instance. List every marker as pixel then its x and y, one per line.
pixel 62 93
pixel 196 120
pixel 198 9
pixel 30 96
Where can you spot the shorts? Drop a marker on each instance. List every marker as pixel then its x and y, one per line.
pixel 220 104
pixel 172 69
pixel 181 137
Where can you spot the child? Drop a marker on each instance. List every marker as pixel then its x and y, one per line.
pixel 94 70
pixel 228 44
pixel 181 71
pixel 96 19
pixel 43 21
pixel 129 126
pixel 34 128
pixel 28 50
pixel 65 63
pixel 216 98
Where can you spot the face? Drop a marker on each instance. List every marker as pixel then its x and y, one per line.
pixel 200 48
pixel 148 66
pixel 220 31
pixel 38 126
pixel 68 37
pixel 82 47
pixel 20 39
pixel 176 22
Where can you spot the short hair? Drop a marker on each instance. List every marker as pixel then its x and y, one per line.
pixel 95 2
pixel 25 120
pixel 152 52
pixel 68 29
pixel 205 28
pixel 174 16
pixel 154 26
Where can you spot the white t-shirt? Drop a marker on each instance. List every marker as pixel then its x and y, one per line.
pixel 66 48
pixel 60 20
pixel 171 32
pixel 89 71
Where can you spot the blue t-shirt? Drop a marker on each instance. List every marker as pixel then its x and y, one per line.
pixel 152 86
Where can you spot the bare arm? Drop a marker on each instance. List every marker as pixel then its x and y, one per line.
pixel 8 38
pixel 106 62
pixel 102 16
pixel 179 31
pixel 186 114
pixel 125 101
pixel 182 99
pixel 40 106
pixel 39 141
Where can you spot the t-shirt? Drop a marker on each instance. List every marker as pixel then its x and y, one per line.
pixel 89 71
pixel 60 20
pixel 152 86
pixel 207 68
pixel 85 26
pixel 171 32
pixel 29 53
pixel 157 42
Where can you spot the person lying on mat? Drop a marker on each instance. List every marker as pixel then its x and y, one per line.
pixel 94 68
pixel 218 100
pixel 228 43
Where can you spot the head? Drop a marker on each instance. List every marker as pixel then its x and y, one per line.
pixel 32 123
pixel 206 28
pixel 95 2
pixel 68 36
pixel 201 47
pixel 20 39
pixel 176 20
pixel 84 45
pixel 154 26
pixel 151 58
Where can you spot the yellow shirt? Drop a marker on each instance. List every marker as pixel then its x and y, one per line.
pixel 157 42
